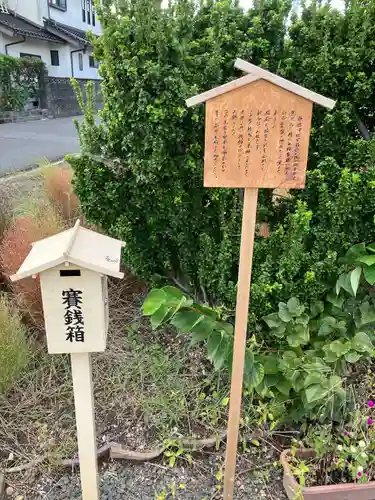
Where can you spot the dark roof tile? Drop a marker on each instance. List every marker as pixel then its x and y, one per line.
pixel 21 26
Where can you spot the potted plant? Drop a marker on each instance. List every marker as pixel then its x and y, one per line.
pixel 335 466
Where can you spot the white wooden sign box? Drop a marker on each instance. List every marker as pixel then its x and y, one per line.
pixel 73 268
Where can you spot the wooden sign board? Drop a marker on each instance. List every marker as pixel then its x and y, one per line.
pixel 257 136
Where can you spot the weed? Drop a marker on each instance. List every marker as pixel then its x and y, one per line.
pixel 59 191
pixel 14 348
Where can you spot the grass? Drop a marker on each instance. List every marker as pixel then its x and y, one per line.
pixel 59 191
pixel 14 351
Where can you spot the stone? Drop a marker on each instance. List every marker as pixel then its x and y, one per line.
pixel 9 491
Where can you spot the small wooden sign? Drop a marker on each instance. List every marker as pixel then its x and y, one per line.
pixel 257 136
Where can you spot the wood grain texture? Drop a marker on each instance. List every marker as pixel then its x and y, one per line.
pixel 240 331
pixel 257 136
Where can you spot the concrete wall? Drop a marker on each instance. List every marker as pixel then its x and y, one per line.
pixel 73 16
pixel 42 48
pixel 61 97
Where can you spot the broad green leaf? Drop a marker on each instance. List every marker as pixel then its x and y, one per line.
pixel 335 300
pixel 202 330
pixel 153 301
pixel 185 320
pixel 172 291
pixel 254 375
pixel 270 363
pixel 294 306
pixel 369 274
pixel 159 316
pixel 300 336
pixel 284 386
pixel 221 355
pixel 279 331
pixel 355 252
pixel 302 320
pixel 355 276
pixel 369 260
pixel 213 344
pixel 362 343
pixel 228 327
pixel 284 313
pixel 352 357
pixel 316 308
pixel 344 282
pixel 313 378
pixel 367 313
pixel 327 325
pixel 207 311
pixel 315 392
pixel 339 347
pixel 371 247
pixel 334 383
pixel 272 320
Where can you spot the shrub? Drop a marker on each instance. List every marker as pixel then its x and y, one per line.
pixel 59 190
pixel 14 347
pixel 15 247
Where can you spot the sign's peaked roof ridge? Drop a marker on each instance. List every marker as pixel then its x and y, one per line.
pixel 79 246
pixel 257 73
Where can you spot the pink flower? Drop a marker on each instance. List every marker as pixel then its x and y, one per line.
pixel 336 460
pixel 370 421
pixel 346 433
pixel 359 474
pixel 370 403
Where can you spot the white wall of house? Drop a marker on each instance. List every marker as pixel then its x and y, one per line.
pixel 43 49
pixel 34 10
pixel 73 16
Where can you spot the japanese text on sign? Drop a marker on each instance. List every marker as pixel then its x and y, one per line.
pixel 73 317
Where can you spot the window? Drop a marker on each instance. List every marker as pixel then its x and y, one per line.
pixel 58 4
pixel 93 63
pixel 89 7
pixel 83 5
pixel 55 58
pixel 80 61
pixel 88 12
pixel 93 17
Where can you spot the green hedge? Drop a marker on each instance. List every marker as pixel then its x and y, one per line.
pixel 140 172
pixel 20 78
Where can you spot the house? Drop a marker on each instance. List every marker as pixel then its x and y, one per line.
pixel 52 30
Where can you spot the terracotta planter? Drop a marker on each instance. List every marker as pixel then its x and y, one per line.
pixel 350 491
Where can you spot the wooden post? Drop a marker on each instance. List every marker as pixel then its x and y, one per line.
pixel 85 418
pixel 242 311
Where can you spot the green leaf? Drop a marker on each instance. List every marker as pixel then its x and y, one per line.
pixel 284 313
pixel 345 283
pixel 227 327
pixel 207 311
pixel 172 291
pixel 316 308
pixel 371 247
pixel 327 325
pixel 270 363
pixel 294 306
pixel 362 343
pixel 185 320
pixel 279 331
pixel 213 344
pixel 202 330
pixel 284 386
pixel 254 375
pixel 300 336
pixel 159 316
pixel 369 273
pixel 315 392
pixel 355 252
pixel 221 354
pixel 339 347
pixel 302 320
pixel 355 276
pixel 369 260
pixel 313 379
pixel 335 300
pixel 367 313
pixel 153 301
pixel 352 357
pixel 272 320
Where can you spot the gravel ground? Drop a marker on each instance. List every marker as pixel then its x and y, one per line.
pixel 257 478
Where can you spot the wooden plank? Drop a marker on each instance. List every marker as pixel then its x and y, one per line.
pixel 71 239
pixel 223 89
pixel 284 83
pixel 85 419
pixel 257 136
pixel 242 311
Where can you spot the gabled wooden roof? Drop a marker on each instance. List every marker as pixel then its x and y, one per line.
pixel 79 246
pixel 256 73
